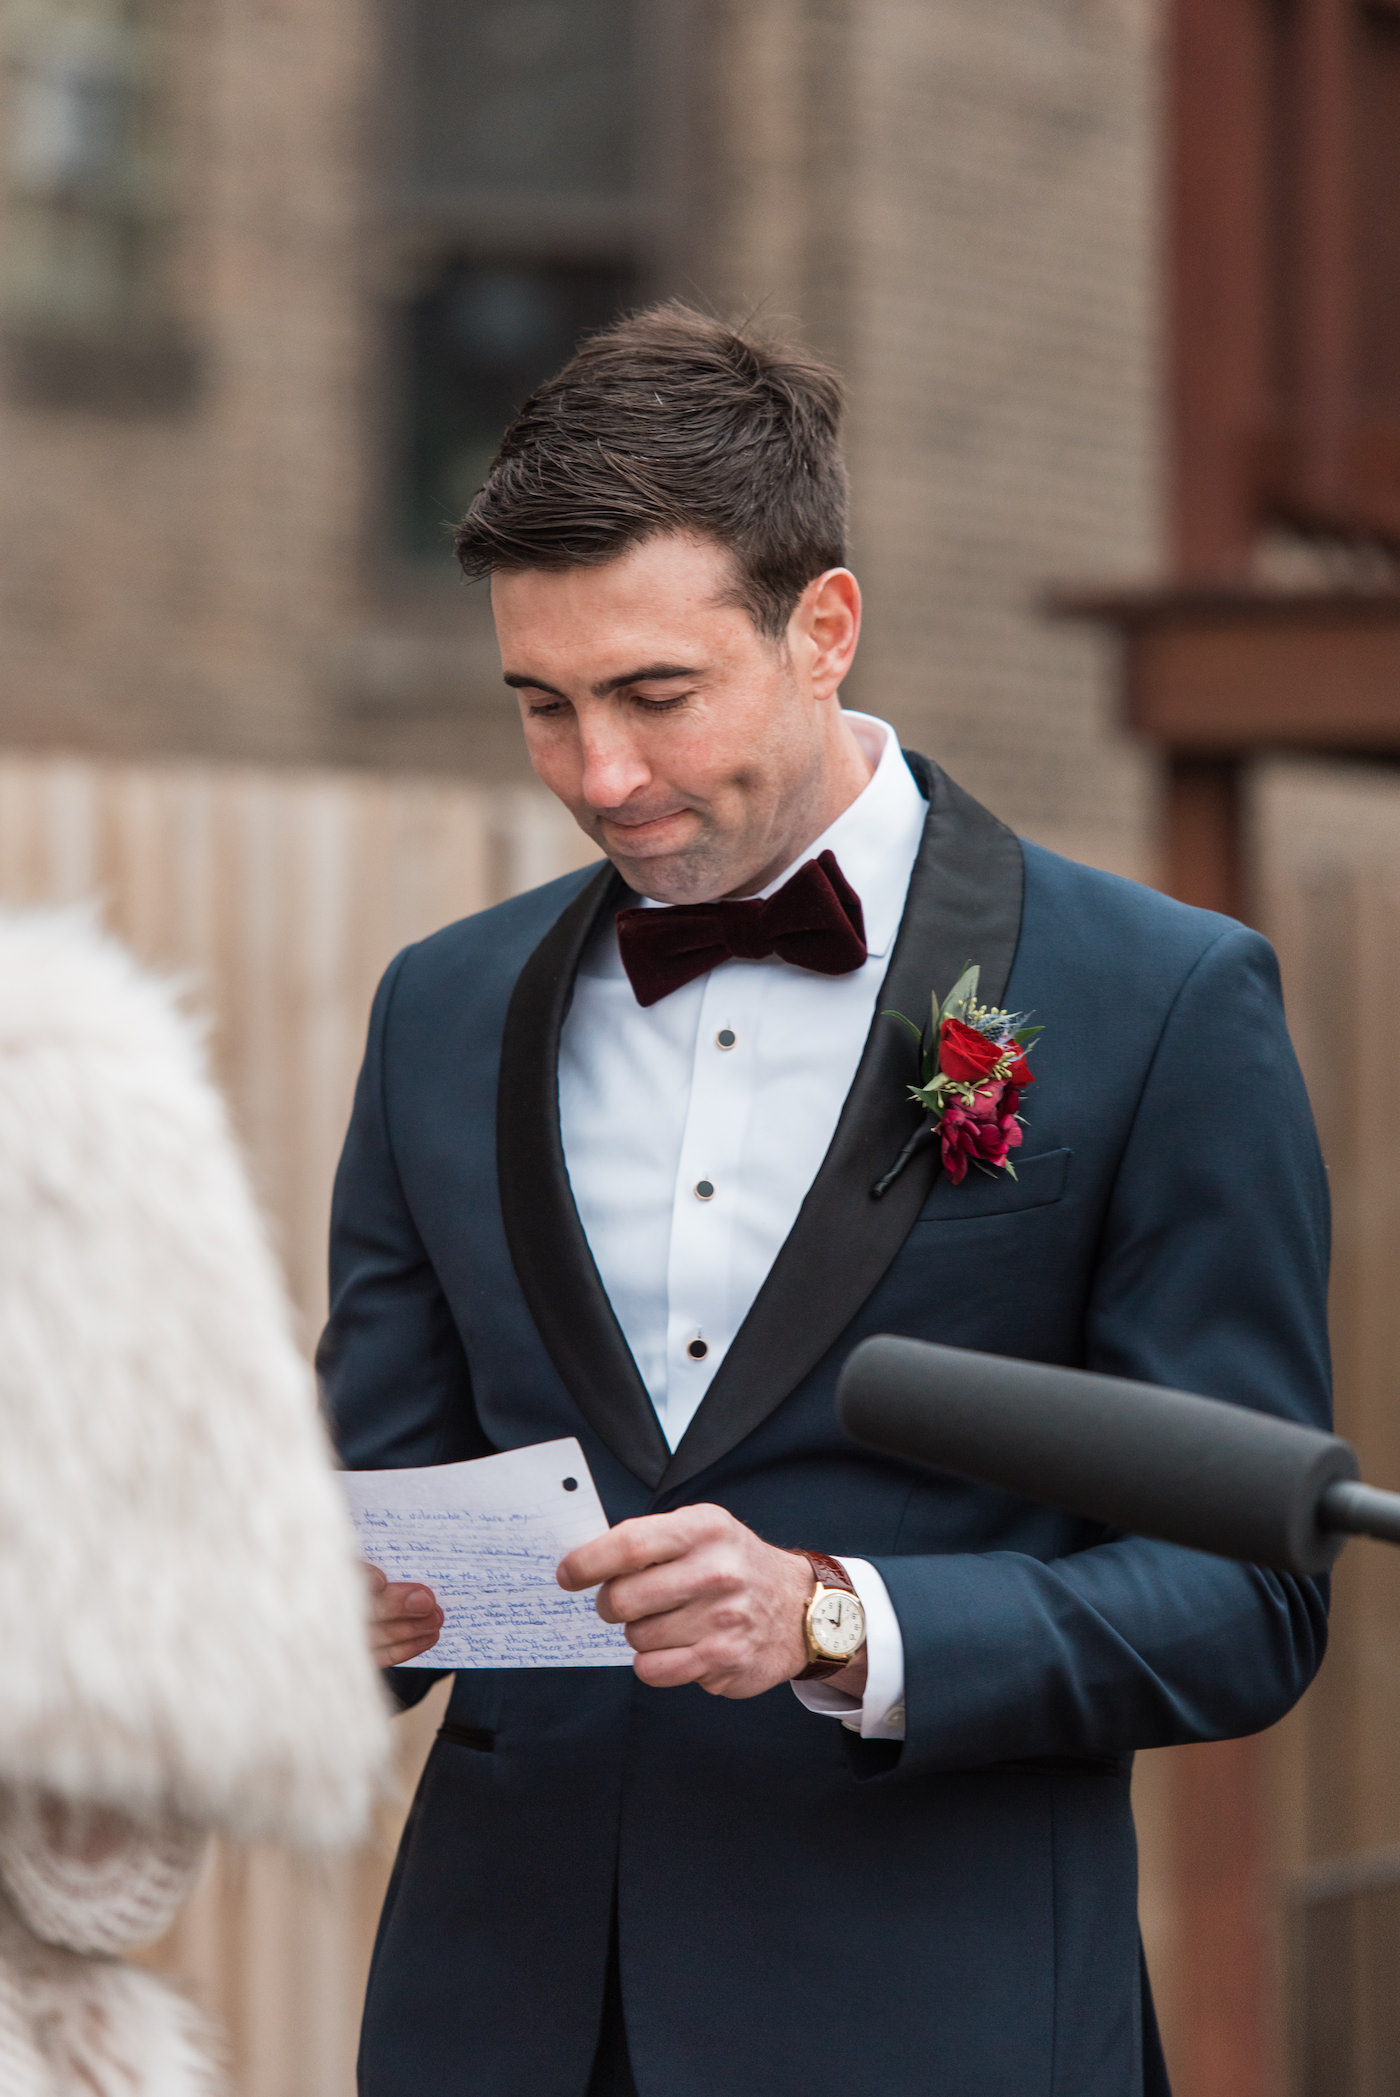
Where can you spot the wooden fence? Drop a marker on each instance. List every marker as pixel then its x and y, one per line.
pixel 278 898
pixel 1329 861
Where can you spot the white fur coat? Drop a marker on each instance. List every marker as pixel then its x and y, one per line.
pixel 181 1622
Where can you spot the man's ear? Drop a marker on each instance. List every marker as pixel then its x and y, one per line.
pixel 824 629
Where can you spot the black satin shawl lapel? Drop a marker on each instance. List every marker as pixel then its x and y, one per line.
pixel 964 904
pixel 547 1243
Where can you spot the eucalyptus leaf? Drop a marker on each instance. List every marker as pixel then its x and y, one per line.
pixel 905 1021
pixel 961 994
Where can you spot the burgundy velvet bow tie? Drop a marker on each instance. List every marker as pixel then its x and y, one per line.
pixel 814 920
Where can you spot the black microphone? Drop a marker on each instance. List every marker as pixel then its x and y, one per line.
pixel 1187 1470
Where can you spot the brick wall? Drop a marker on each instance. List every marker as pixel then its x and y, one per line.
pixel 955 196
pixel 174 576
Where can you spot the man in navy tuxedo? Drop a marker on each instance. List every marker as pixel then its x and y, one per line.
pixel 621 1166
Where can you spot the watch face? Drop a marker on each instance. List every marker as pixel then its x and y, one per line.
pixel 837 1624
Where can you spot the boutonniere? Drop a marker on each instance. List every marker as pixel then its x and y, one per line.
pixel 972 1072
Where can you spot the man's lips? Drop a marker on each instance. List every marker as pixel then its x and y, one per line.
pixel 632 830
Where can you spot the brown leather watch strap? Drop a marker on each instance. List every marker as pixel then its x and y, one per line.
pixel 829 1572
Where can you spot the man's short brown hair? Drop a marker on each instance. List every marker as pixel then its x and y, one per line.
pixel 671 421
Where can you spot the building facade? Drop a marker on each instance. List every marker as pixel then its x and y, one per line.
pixel 273 275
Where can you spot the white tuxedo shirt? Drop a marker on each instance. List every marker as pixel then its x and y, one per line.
pixel 694 1127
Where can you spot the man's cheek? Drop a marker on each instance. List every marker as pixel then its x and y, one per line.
pixel 553 752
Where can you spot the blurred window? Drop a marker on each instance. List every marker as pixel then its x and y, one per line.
pixel 532 192
pixel 481 336
pixel 83 280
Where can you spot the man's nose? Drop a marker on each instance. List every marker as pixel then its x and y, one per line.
pixel 613 768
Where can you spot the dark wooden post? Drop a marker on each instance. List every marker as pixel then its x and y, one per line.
pixel 1204 857
pixel 1221 1850
pixel 1218 283
pixel 1220 1837
pixel 1321 369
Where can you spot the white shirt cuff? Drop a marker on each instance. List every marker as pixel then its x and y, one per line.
pixel 880 1714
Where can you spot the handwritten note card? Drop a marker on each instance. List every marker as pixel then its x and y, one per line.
pixel 486 1537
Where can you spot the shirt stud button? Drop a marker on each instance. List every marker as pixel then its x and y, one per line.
pixel 726 1037
pixel 704 1190
pixel 698 1349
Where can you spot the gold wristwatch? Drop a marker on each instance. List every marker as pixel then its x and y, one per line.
pixel 834 1622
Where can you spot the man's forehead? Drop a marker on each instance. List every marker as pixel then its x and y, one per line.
pixel 617 623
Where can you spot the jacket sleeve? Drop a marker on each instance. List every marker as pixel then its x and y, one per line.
pixel 1212 1277
pixel 393 1370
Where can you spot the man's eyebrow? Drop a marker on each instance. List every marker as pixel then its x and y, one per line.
pixel 653 673
pixel 520 683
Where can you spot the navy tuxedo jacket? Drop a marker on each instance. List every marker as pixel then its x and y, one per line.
pixel 800 1911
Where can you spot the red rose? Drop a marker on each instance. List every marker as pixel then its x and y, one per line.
pixel 1020 1073
pixel 964 1054
pixel 985 1130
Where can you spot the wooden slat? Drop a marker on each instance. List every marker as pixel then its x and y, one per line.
pixel 1330 866
pixel 278 897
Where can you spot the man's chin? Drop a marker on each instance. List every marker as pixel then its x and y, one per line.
pixel 661 882
pixel 668 877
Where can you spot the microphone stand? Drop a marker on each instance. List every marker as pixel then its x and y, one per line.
pixel 1360 1510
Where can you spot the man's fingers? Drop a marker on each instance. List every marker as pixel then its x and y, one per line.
pixel 656 1592
pixel 624 1549
pixel 670 1668
pixel 393 1599
pixel 676 1627
pixel 394 1639
pixel 401 1627
pixel 397 1651
pixel 407 1615
pixel 405 1619
pixel 645 1540
pixel 706 1575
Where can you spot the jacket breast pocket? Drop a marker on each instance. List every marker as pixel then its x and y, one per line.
pixel 1039 1181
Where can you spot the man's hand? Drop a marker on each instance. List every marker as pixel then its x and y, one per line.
pixel 404 1619
pixel 703 1599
